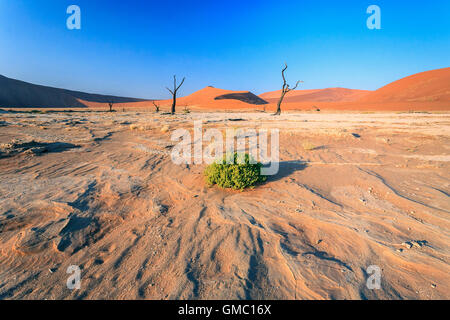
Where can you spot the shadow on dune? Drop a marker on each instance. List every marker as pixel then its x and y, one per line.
pixel 246 97
pixel 286 168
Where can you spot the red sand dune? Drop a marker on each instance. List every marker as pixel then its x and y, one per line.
pixel 426 91
pixel 317 95
pixel 221 99
pixel 430 86
pixel 276 94
pixel 209 98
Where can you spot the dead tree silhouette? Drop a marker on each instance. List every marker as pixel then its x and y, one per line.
pixel 174 92
pixel 285 89
pixel 156 106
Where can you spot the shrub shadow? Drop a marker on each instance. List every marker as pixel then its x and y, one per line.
pixel 286 168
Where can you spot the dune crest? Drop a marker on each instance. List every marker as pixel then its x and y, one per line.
pixel 430 86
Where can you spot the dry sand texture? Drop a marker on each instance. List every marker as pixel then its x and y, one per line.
pixel 99 190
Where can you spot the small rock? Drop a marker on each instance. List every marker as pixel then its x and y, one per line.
pixel 399 250
pixel 433 285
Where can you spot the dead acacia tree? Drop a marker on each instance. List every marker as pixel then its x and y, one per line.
pixel 174 92
pixel 156 106
pixel 285 89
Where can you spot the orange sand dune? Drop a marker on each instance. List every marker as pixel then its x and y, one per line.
pixel 276 94
pixel 426 91
pixel 318 95
pixel 430 86
pixel 206 98
pixel 215 98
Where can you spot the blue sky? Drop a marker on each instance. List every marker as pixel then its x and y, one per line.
pixel 133 48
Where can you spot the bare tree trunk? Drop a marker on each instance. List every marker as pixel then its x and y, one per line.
pixel 278 112
pixel 284 89
pixel 174 92
pixel 174 102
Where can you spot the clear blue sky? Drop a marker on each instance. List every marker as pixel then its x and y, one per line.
pixel 132 48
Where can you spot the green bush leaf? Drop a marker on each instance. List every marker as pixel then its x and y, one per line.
pixel 238 175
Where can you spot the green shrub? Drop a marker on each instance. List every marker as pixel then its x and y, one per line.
pixel 237 175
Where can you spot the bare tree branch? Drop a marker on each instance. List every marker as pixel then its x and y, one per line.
pixel 181 83
pixel 296 85
pixel 282 74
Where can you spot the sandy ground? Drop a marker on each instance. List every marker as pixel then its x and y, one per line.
pixel 100 191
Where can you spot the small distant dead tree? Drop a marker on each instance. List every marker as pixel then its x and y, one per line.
pixel 156 106
pixel 174 92
pixel 110 106
pixel 285 89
